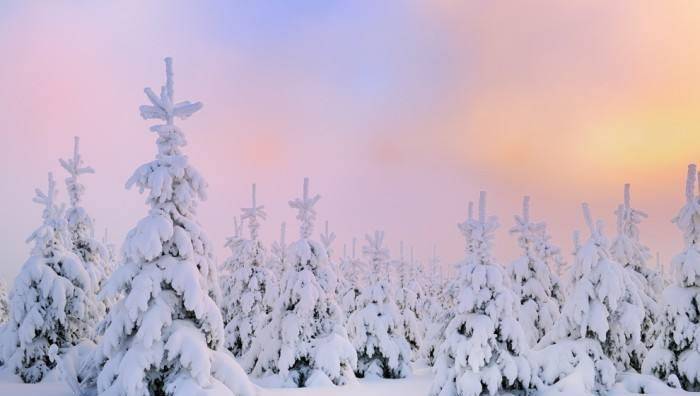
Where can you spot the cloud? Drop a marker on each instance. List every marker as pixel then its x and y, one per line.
pixel 400 113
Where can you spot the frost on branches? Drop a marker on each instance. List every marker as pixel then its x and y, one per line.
pixel 375 327
pixel 305 343
pixel 484 344
pixel 536 288
pixel 166 335
pixel 94 255
pixel 249 290
pixel 627 250
pixel 49 300
pixel 599 327
pixel 409 296
pixel 675 356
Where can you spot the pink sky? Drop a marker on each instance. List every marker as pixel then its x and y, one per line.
pixel 400 112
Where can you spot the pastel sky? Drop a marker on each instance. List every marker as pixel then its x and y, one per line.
pixel 398 111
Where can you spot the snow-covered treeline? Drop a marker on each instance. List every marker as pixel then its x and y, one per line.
pixel 162 317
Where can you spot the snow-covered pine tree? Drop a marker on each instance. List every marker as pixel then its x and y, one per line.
pixel 661 270
pixel 330 278
pixel 354 272
pixel 92 252
pixel 166 335
pixel 112 255
pixel 440 302
pixel 305 343
pixel 230 265
pixel 628 250
pixel 675 356
pixel 49 299
pixel 278 251
pixel 409 299
pixel 535 286
pixel 420 277
pixel 599 326
pixel 234 243
pixel 250 290
pixel 4 305
pixel 484 344
pixel 375 327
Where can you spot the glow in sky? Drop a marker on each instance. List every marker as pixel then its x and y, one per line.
pixel 399 112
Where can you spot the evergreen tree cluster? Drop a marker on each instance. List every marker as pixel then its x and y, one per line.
pixel 167 320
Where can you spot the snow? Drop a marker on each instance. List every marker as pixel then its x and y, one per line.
pixel 415 385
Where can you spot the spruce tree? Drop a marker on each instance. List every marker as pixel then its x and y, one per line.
pixel 409 298
pixel 354 273
pixel 250 290
pixel 599 326
pixel 484 346
pixel 278 250
pixel 166 335
pixel 536 287
pixel 92 252
pixel 49 299
pixel 441 297
pixel 375 327
pixel 330 277
pixel 675 356
pixel 305 342
pixel 629 251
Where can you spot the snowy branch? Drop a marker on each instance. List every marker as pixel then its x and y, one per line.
pixel 306 212
pixel 252 214
pixel 163 107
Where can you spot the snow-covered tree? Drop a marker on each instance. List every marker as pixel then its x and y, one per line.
pixel 231 264
pixel 484 343
pixel 599 326
pixel 628 250
pixel 94 254
pixel 354 272
pixel 661 270
pixel 329 275
pixel 4 305
pixel 235 244
pixel 409 299
pixel 439 306
pixel 375 327
pixel 675 356
pixel 112 254
pixel 278 251
pixel 250 290
pixel 49 299
pixel 305 343
pixel 535 287
pixel 166 335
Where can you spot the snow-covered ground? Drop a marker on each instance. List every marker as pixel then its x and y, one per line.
pixel 416 385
